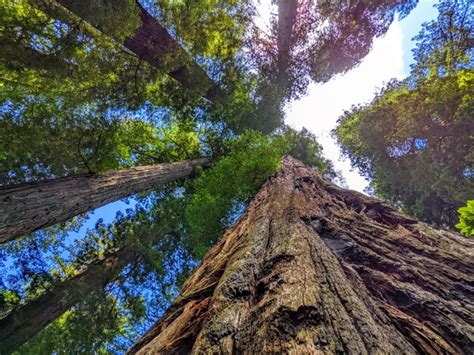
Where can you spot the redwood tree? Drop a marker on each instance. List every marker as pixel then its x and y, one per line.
pixel 149 40
pixel 24 322
pixel 28 207
pixel 312 267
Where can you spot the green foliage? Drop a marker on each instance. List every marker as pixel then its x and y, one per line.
pixel 222 192
pixel 305 147
pixel 66 145
pixel 415 146
pixel 8 300
pixel 90 327
pixel 466 219
pixel 117 18
pixel 210 28
pixel 413 140
pixel 65 61
pixel 231 181
pixel 444 45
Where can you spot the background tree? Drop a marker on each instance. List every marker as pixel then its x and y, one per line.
pixel 29 207
pixel 314 40
pixel 24 322
pixel 98 280
pixel 414 141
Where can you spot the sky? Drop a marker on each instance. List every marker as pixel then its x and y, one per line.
pixel 389 58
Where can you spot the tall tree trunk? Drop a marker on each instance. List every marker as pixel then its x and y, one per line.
pixel 312 268
pixel 151 42
pixel 287 13
pixel 29 207
pixel 26 321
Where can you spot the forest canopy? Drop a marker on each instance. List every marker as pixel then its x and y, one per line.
pixel 101 95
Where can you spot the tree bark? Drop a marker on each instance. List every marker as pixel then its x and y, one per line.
pixel 312 268
pixel 29 207
pixel 25 322
pixel 151 42
pixel 287 13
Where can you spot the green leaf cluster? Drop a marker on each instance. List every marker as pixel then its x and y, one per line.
pixel 466 219
pixel 233 180
pixel 66 145
pixel 209 28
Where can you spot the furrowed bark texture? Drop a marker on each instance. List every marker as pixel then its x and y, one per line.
pixel 29 207
pixel 312 268
pixel 153 43
pixel 25 322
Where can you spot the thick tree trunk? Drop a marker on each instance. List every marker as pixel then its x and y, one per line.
pixel 25 322
pixel 151 42
pixel 312 268
pixel 29 207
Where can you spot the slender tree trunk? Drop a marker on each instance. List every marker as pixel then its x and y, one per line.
pixel 151 42
pixel 29 207
pixel 25 322
pixel 312 268
pixel 287 13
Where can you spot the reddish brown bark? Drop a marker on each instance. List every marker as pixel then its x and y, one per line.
pixel 312 268
pixel 25 322
pixel 29 207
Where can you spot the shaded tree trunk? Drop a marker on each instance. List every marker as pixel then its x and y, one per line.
pixel 28 207
pixel 312 268
pixel 151 42
pixel 25 322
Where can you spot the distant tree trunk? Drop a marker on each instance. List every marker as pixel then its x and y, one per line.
pixel 312 268
pixel 25 322
pixel 151 42
pixel 287 14
pixel 28 207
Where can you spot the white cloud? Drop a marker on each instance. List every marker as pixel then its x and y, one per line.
pixel 320 109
